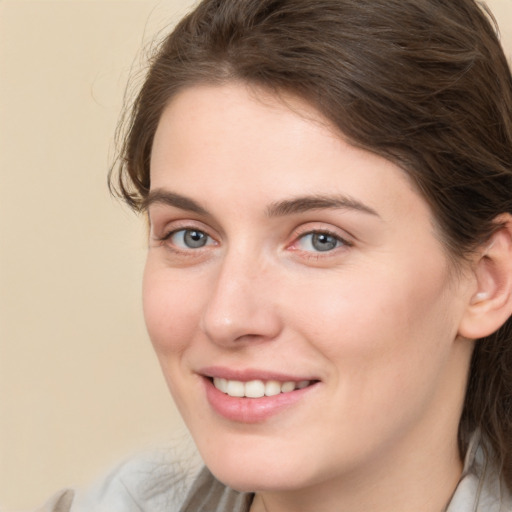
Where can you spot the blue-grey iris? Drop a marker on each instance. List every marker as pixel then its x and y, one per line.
pixel 194 239
pixel 323 241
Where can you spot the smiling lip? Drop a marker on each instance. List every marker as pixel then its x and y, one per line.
pixel 252 410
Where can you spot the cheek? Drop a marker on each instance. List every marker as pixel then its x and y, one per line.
pixel 170 309
pixel 380 342
pixel 379 320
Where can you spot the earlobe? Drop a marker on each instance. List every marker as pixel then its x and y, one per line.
pixel 490 306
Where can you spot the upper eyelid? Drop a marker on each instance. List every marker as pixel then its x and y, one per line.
pixel 343 241
pixel 170 232
pixel 169 225
pixel 182 220
pixel 321 227
pixel 327 231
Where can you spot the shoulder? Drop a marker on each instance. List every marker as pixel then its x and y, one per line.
pixel 156 481
pixel 481 486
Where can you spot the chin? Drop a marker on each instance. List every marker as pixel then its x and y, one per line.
pixel 249 478
pixel 253 466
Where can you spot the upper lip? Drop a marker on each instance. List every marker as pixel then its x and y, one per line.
pixel 248 374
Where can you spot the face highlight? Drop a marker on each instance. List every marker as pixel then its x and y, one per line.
pixel 297 297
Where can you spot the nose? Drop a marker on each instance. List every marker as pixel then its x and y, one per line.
pixel 242 304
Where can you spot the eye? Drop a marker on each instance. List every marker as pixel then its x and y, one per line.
pixel 190 239
pixel 319 242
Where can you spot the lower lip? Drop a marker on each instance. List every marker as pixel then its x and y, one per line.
pixel 252 410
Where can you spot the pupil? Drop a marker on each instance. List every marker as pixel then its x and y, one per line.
pixel 195 239
pixel 323 242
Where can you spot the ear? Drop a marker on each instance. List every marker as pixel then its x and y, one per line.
pixel 490 305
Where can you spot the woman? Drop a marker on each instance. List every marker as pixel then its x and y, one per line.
pixel 328 285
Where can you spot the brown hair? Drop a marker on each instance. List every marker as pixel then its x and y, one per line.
pixel 423 83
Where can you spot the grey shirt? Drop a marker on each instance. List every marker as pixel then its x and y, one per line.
pixel 155 484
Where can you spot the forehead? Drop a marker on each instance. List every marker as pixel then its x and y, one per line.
pixel 233 141
pixel 243 117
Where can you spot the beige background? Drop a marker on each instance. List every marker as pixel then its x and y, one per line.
pixel 79 386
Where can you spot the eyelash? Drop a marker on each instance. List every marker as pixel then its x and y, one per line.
pixel 167 236
pixel 343 243
pixel 297 238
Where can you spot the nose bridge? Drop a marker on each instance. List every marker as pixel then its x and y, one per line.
pixel 240 304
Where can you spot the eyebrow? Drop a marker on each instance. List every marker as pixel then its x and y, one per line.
pixel 292 206
pixel 317 202
pixel 168 198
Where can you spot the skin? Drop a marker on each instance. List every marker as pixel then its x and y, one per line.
pixel 375 319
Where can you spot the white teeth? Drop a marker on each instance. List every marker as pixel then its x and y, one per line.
pixel 272 387
pixel 235 388
pixel 257 388
pixel 287 387
pixel 254 389
pixel 221 384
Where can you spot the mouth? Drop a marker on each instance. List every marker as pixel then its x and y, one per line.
pixel 254 396
pixel 258 388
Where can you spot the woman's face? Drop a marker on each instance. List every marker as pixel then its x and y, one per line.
pixel 302 277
